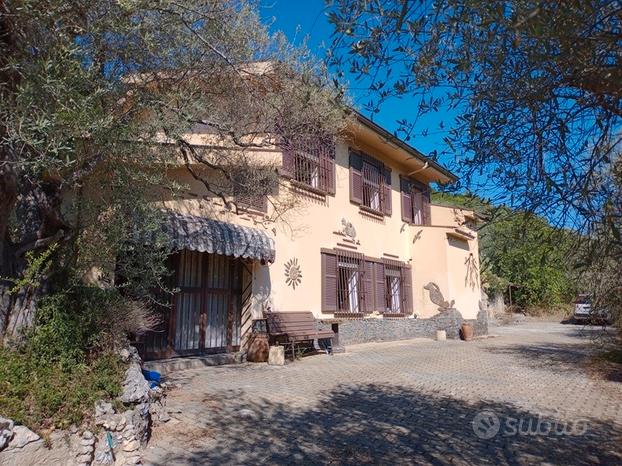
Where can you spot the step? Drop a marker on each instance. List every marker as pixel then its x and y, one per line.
pixel 168 366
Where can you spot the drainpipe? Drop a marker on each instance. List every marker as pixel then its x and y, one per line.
pixel 425 167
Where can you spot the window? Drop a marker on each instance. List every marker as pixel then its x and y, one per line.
pixel 415 202
pixel 355 284
pixel 370 183
pixel 251 187
pixel 393 279
pixel 311 164
pixel 348 296
pixel 346 282
pixel 398 294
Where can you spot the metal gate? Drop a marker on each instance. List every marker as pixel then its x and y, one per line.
pixel 205 312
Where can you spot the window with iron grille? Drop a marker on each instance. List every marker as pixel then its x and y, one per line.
pixel 356 284
pixel 349 282
pixel 398 287
pixel 393 287
pixel 311 163
pixel 252 186
pixel 370 183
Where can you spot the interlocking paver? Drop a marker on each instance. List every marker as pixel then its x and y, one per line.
pixel 407 402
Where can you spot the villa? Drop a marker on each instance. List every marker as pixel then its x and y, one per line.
pixel 364 249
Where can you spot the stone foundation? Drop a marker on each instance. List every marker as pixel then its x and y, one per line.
pixel 372 330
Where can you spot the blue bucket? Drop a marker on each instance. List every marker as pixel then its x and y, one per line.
pixel 152 376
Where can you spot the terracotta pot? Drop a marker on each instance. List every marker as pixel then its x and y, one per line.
pixel 258 348
pixel 466 332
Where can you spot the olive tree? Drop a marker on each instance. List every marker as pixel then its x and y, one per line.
pixel 97 99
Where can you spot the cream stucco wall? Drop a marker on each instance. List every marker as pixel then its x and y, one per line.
pixel 315 223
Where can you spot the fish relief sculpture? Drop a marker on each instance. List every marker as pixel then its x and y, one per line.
pixel 437 297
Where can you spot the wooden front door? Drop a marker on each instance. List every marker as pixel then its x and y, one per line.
pixel 207 306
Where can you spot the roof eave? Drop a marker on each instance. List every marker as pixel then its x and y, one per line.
pixel 451 178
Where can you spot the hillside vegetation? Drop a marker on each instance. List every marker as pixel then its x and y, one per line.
pixel 522 250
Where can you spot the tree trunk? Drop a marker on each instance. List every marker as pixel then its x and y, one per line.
pixel 8 197
pixel 39 224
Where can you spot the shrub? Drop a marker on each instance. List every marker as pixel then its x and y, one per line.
pixel 67 360
pixel 55 395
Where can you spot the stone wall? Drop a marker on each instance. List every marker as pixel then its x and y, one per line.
pixel 373 330
pixel 118 439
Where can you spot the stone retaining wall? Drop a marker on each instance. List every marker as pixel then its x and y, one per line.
pixel 371 330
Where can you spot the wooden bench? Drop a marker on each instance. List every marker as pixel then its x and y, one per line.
pixel 291 328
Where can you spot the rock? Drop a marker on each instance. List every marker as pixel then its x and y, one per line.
pixel 135 386
pixel 84 459
pixel 158 411
pixel 22 436
pixel 112 422
pixel 125 354
pixel 131 460
pixel 129 354
pixel 6 432
pixel 247 414
pixel 103 408
pixel 121 423
pixel 132 445
pixel 276 356
pixel 140 420
pixel 87 442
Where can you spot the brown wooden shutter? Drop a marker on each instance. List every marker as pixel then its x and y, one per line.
pixel 386 192
pixel 327 167
pixel 259 203
pixel 380 291
pixel 368 286
pixel 256 202
pixel 407 292
pixel 289 160
pixel 329 282
pixel 426 210
pixel 356 178
pixel 407 200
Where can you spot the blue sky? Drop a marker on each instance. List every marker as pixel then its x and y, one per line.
pixel 301 18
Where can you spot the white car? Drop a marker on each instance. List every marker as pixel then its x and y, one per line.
pixel 583 312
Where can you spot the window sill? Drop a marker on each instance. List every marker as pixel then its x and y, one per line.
pixel 251 210
pixel 371 212
pixel 349 315
pixel 412 224
pixel 310 189
pixel 393 315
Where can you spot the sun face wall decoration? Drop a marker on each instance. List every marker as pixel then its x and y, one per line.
pixel 293 274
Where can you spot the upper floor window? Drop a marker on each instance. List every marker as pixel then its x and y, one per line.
pixel 251 187
pixel 415 202
pixel 311 163
pixel 370 183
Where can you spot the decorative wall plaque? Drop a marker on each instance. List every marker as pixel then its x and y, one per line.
pixel 293 274
pixel 348 229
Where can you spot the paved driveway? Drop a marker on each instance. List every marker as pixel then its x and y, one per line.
pixel 522 397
